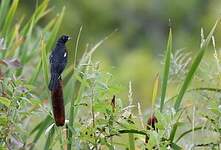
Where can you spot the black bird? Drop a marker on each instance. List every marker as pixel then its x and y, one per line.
pixel 58 61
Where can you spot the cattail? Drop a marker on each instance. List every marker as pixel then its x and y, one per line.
pixel 58 105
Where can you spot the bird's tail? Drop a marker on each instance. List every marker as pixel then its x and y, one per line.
pixel 54 82
pixel 58 104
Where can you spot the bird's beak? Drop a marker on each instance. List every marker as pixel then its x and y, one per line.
pixel 69 38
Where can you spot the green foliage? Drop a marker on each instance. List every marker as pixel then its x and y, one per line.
pixel 97 116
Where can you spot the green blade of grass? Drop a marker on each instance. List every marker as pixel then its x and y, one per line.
pixel 3 11
pixel 76 47
pixel 39 12
pixel 9 18
pixel 166 70
pixel 173 131
pixel 193 68
pixel 44 61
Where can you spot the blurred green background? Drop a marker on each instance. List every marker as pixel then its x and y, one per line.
pixel 135 52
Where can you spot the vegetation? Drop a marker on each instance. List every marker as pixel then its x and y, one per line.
pixel 97 115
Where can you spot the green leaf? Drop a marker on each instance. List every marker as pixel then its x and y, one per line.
pixel 193 68
pixel 166 70
pixel 5 101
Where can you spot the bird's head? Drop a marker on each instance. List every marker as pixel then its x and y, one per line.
pixel 64 39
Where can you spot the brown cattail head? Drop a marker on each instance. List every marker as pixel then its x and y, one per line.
pixel 152 122
pixel 58 105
